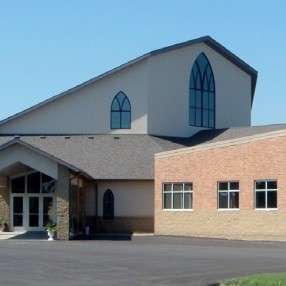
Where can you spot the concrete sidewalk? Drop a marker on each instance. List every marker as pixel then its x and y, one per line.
pixel 27 235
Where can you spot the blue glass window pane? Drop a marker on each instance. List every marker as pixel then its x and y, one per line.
pixel 192 98
pixel 115 120
pixel 202 94
pixel 198 99
pixel 115 105
pixel 121 96
pixel 120 112
pixel 125 105
pixel 125 120
pixel 192 116
pixel 205 118
pixel 192 80
pixel 198 117
pixel 211 119
pixel 205 83
pixel 211 101
pixel 212 87
pixel 198 82
pixel 205 100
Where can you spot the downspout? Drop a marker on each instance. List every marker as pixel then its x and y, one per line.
pixel 96 206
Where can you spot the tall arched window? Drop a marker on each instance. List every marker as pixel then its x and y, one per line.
pixel 120 112
pixel 108 205
pixel 202 94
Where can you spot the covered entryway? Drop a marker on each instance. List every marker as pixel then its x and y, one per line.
pixel 37 187
pixel 32 201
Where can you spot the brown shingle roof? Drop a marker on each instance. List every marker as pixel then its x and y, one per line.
pixel 124 157
pixel 103 156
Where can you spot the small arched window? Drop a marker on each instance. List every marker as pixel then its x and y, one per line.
pixel 108 205
pixel 120 112
pixel 202 94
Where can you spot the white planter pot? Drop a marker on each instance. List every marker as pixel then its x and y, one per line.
pixel 51 235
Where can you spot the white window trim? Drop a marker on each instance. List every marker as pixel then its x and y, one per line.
pixel 177 192
pixel 265 190
pixel 228 191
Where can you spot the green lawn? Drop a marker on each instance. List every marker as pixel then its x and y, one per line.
pixel 271 279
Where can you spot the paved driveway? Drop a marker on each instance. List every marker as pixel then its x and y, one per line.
pixel 142 261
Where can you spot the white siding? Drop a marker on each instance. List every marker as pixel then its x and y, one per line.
pixel 17 153
pixel 87 110
pixel 158 90
pixel 130 198
pixel 168 101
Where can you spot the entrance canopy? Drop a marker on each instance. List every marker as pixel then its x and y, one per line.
pixel 18 157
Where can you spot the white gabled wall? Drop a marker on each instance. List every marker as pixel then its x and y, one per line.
pixel 20 154
pixel 130 198
pixel 168 96
pixel 87 110
pixel 158 90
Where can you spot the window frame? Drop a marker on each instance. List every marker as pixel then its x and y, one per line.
pixel 202 94
pixel 229 190
pixel 120 111
pixel 172 192
pixel 266 190
pixel 108 205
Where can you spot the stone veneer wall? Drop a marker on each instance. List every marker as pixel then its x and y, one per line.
pixel 62 193
pixel 4 199
pixel 247 162
pixel 126 224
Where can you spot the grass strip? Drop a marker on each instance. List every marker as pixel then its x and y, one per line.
pixel 269 279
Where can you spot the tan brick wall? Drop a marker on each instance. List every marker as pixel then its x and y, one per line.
pixel 62 193
pixel 264 159
pixel 5 199
pixel 126 224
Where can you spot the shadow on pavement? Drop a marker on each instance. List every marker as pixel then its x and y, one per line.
pixel 105 236
pixel 31 235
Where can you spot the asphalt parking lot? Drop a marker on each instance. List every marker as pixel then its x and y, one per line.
pixel 151 260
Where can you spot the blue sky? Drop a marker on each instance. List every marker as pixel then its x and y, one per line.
pixel 50 46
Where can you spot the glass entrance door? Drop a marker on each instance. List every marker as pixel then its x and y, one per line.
pixel 34 211
pixel 18 211
pixel 32 202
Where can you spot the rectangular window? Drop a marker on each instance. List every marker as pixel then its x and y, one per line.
pixel 266 194
pixel 228 195
pixel 177 196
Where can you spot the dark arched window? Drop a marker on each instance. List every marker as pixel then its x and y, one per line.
pixel 120 112
pixel 108 205
pixel 202 94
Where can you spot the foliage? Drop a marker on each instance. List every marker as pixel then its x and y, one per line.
pixel 51 226
pixel 3 221
pixel 271 279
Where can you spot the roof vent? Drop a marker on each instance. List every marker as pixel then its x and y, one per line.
pixel 67 137
pixel 116 138
pixel 17 136
pixel 90 137
pixel 43 137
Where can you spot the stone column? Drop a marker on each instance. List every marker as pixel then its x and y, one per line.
pixel 62 193
pixel 4 199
